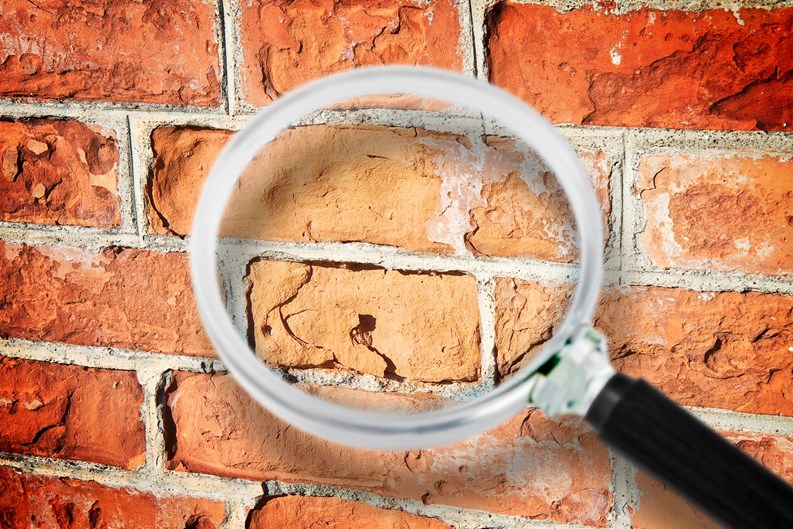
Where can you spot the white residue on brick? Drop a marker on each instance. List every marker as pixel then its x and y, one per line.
pixel 742 244
pixel 659 216
pixel 616 58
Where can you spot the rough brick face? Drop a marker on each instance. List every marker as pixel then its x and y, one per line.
pixel 286 44
pixel 722 350
pixel 647 68
pixel 401 187
pixel 55 410
pixel 661 508
pixel 381 322
pixel 42 501
pixel 219 430
pixel 58 172
pixel 120 297
pixel 308 512
pixel 717 211
pixel 110 50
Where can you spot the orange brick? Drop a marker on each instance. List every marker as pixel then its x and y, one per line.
pixel 286 44
pixel 61 411
pixel 111 50
pixel 393 186
pixel 722 350
pixel 530 466
pixel 119 297
pixel 661 508
pixel 28 500
pixel 717 211
pixel 58 172
pixel 307 512
pixel 382 322
pixel 708 69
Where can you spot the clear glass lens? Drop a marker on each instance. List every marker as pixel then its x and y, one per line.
pixel 397 254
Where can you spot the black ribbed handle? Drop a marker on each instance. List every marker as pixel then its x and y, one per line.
pixel 670 443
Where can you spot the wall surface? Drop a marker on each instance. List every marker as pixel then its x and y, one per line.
pixel 115 410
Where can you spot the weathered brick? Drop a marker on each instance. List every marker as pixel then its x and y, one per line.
pixel 110 50
pixel 661 508
pixel 417 326
pixel 29 500
pixel 286 44
pixel 61 411
pixel 394 186
pixel 722 350
pixel 711 69
pixel 119 297
pixel 58 172
pixel 717 211
pixel 307 512
pixel 529 466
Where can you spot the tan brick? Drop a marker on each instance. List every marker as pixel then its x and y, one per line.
pixel 708 69
pixel 62 411
pixel 393 186
pixel 58 172
pixel 286 44
pixel 309 512
pixel 381 322
pixel 530 466
pixel 29 500
pixel 111 50
pixel 717 211
pixel 119 297
pixel 722 350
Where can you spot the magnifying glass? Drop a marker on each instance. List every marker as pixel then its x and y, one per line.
pixel 290 323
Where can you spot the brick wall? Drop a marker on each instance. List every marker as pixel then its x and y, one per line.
pixel 115 411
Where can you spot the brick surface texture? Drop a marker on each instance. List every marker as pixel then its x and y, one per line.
pixel 119 297
pixel 286 44
pixel 712 349
pixel 111 50
pixel 54 410
pixel 334 513
pixel 44 501
pixel 722 212
pixel 647 68
pixel 58 172
pixel 402 187
pixel 218 429
pixel 392 253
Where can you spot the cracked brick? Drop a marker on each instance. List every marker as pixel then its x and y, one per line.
pixel 710 69
pixel 61 411
pixel 418 326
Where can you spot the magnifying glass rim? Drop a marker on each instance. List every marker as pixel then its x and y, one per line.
pixel 360 427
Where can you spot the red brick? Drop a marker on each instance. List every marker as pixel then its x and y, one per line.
pixel 381 322
pixel 286 44
pixel 61 411
pixel 305 511
pixel 110 50
pixel 394 186
pixel 717 211
pixel 661 508
pixel 530 466
pixel 722 350
pixel 28 500
pixel 647 68
pixel 119 297
pixel 58 172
